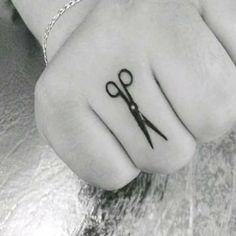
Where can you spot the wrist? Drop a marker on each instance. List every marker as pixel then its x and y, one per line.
pixel 66 24
pixel 37 15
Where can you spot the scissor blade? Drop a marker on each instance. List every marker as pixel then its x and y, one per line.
pixel 152 126
pixel 142 126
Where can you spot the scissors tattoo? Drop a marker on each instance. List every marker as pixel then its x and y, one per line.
pixel 114 91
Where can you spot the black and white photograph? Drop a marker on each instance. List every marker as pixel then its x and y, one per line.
pixel 117 117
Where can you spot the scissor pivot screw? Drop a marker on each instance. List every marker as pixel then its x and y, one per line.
pixel 133 107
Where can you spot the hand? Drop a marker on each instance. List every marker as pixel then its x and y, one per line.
pixel 184 82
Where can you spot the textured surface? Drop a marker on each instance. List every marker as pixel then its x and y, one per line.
pixel 39 195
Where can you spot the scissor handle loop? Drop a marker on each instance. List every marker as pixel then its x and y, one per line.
pixel 126 83
pixel 112 89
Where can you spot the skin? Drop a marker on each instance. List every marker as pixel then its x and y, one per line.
pixel 182 56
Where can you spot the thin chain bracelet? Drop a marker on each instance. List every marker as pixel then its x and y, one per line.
pixel 53 21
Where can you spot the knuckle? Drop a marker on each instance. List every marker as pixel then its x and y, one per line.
pixel 218 113
pixel 51 87
pixel 109 174
pixel 217 123
pixel 176 156
pixel 50 95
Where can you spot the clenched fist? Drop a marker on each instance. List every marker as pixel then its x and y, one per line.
pixel 137 84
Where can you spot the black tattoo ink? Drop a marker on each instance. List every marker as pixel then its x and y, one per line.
pixel 114 91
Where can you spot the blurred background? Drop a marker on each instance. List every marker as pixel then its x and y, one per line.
pixel 39 195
